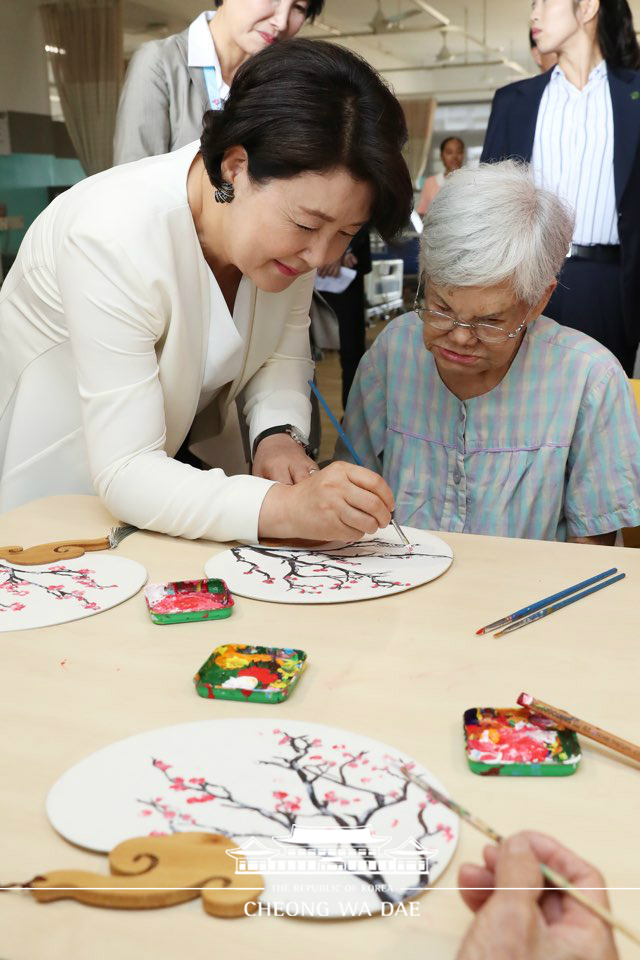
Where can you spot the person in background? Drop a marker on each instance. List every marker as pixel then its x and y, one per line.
pixel 544 61
pixel 349 306
pixel 579 126
pixel 518 918
pixel 452 156
pixel 483 415
pixel 170 83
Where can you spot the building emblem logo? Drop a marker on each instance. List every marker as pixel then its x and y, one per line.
pixel 331 850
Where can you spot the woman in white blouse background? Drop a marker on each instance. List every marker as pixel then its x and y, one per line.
pixel 170 83
pixel 579 126
pixel 147 298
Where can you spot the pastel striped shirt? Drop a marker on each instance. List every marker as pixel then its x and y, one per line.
pixel 573 152
pixel 553 451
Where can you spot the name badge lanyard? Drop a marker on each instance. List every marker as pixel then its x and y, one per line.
pixel 211 80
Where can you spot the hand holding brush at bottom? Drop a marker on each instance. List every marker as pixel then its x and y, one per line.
pixel 518 918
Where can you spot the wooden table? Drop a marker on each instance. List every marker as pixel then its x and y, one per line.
pixel 67 691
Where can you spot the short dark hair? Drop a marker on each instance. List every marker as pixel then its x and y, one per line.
pixel 311 106
pixel 448 140
pixel 313 9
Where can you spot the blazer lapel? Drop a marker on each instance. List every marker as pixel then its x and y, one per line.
pixel 196 74
pixel 526 115
pixel 625 100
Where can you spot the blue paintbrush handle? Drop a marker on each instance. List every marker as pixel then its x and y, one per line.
pixel 560 596
pixel 539 614
pixel 540 604
pixel 357 460
pixel 336 424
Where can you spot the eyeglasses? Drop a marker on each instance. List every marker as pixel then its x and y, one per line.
pixel 486 332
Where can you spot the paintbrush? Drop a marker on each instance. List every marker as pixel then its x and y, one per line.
pixel 345 439
pixel 580 726
pixel 547 872
pixel 547 611
pixel 69 549
pixel 545 602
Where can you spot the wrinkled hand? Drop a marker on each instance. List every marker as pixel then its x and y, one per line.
pixel 330 269
pixel 280 458
pixel 341 502
pixel 537 923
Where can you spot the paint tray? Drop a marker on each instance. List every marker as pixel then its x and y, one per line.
pixel 241 671
pixel 185 600
pixel 513 742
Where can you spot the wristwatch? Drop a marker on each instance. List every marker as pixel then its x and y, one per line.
pixel 287 428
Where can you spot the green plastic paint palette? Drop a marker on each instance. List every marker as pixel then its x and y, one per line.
pixel 239 671
pixel 184 600
pixel 512 742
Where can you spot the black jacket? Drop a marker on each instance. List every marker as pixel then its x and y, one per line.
pixel 512 126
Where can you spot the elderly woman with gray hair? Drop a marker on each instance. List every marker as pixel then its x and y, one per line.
pixel 507 424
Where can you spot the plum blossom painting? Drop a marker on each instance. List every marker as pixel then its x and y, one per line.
pixel 283 790
pixel 51 593
pixel 373 567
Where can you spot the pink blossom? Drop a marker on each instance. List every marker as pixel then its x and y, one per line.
pixel 158 833
pixel 446 830
pixel 394 823
pixel 178 786
pixel 204 799
pixel 161 766
pixel 280 794
pixel 197 780
pixel 17 606
pixel 145 813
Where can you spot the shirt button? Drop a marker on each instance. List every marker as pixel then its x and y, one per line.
pixel 457 477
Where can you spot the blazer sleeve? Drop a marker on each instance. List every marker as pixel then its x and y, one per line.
pixel 496 139
pixel 279 392
pixel 115 318
pixel 143 126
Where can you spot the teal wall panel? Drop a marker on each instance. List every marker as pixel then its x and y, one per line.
pixel 24 182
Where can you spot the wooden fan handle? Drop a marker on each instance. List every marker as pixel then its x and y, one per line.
pixel 49 552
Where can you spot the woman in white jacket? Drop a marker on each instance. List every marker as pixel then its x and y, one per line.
pixel 146 299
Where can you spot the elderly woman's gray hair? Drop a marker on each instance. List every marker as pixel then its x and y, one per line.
pixel 492 224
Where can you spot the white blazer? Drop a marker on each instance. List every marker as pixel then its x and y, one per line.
pixel 104 327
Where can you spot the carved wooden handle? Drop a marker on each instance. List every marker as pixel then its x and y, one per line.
pixel 151 872
pixel 48 552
